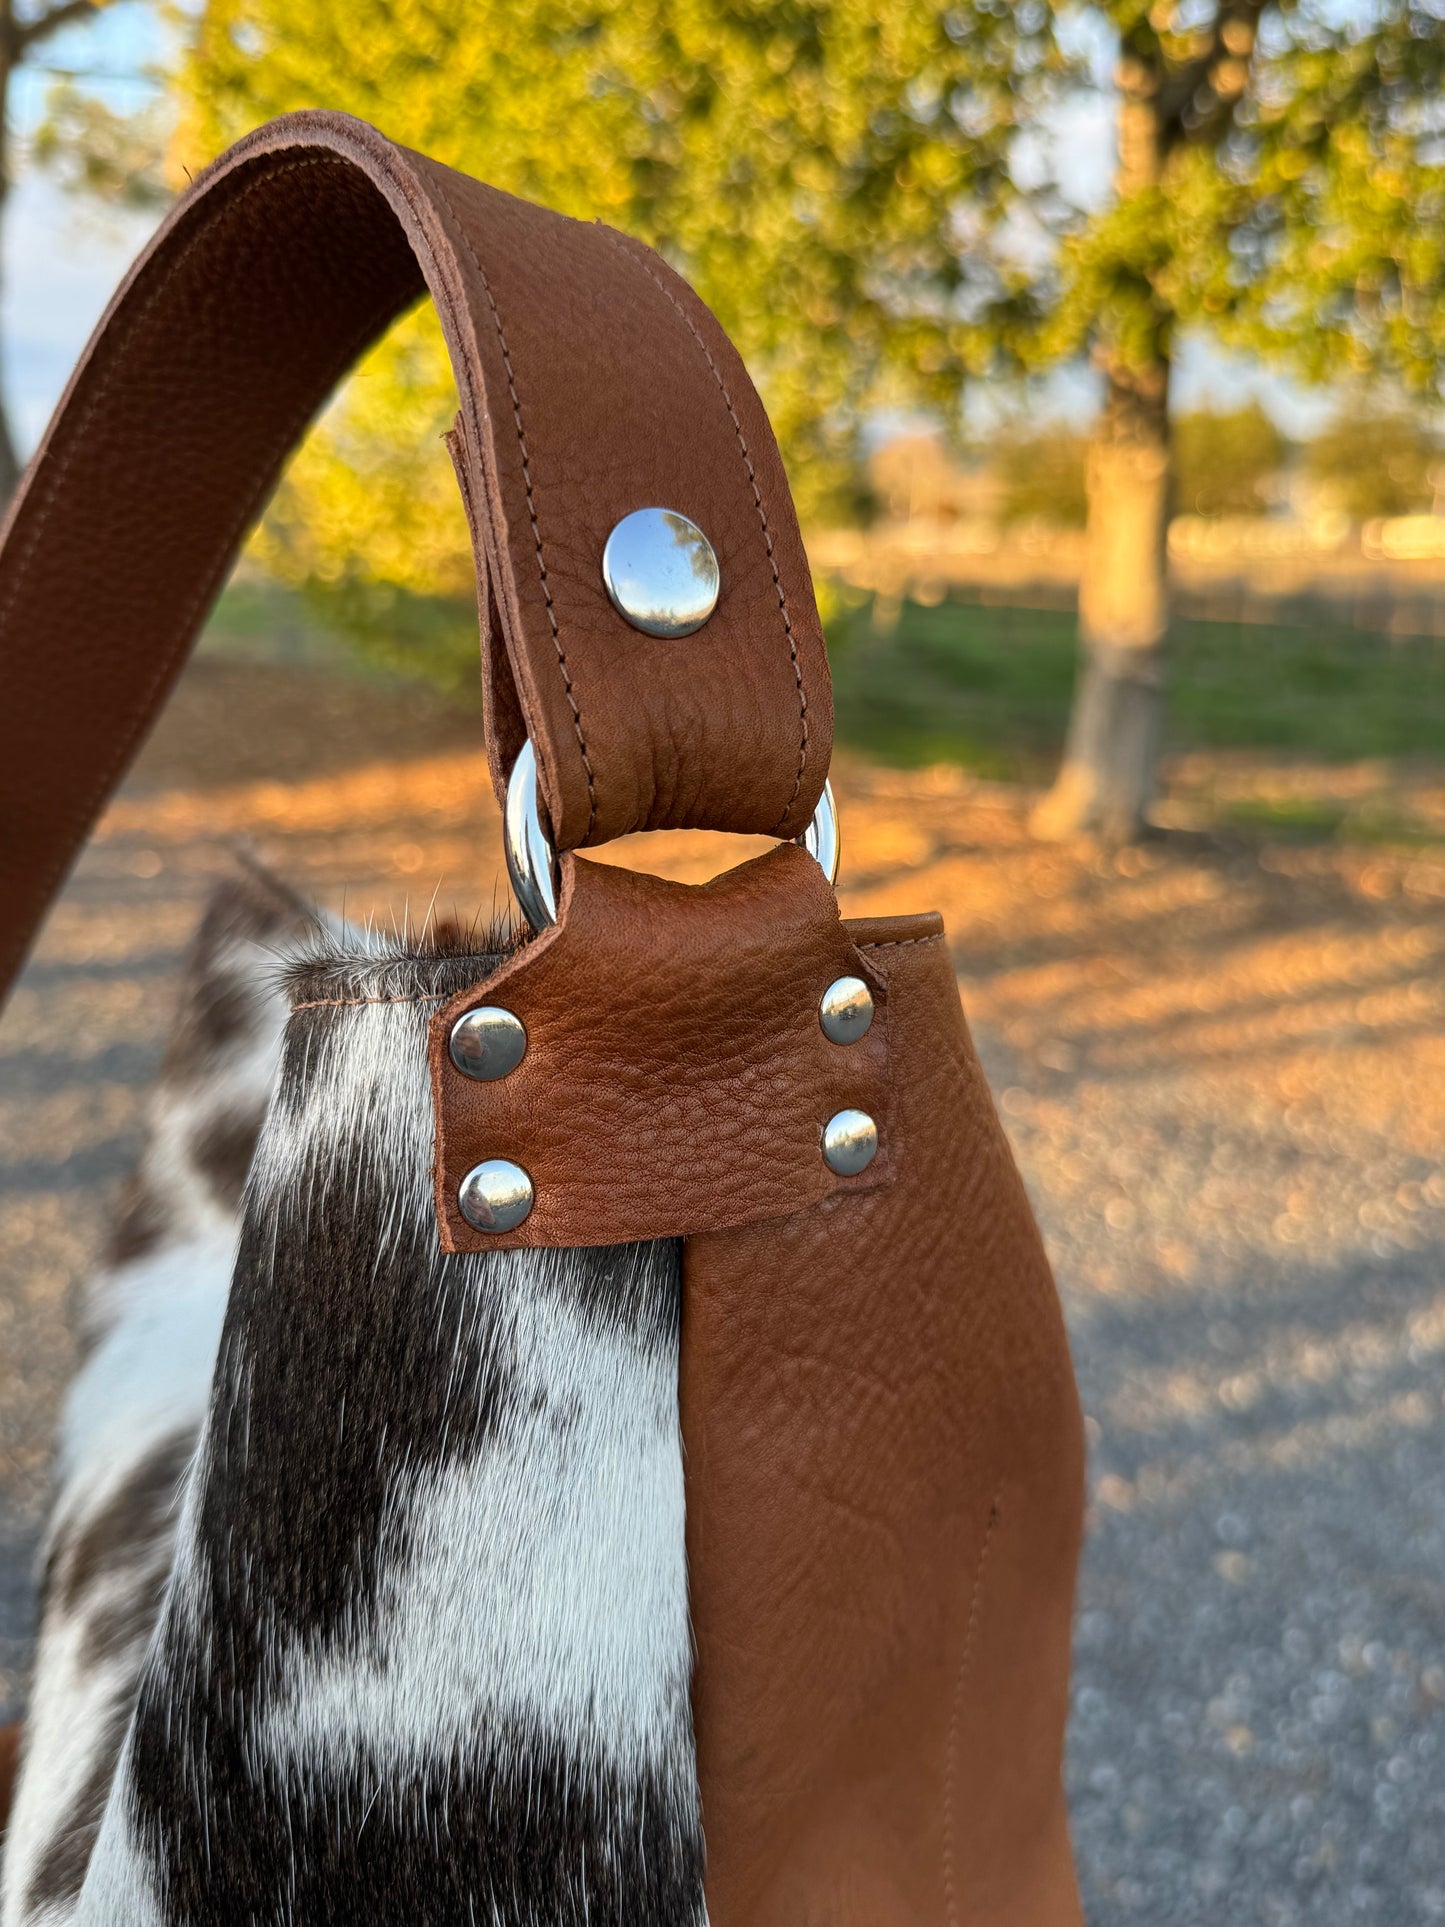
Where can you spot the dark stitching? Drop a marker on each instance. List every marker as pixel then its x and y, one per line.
pixel 617 242
pixel 995 1514
pixel 102 787
pixel 901 943
pixel 531 508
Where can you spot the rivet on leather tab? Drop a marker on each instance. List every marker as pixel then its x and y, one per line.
pixel 495 1195
pixel 487 1042
pixel 660 572
pixel 846 1010
pixel 850 1142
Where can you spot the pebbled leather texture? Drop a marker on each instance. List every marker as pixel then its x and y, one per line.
pixel 884 1507
pixel 592 382
pixel 676 1076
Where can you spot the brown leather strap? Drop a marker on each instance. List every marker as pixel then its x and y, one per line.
pixel 676 1077
pixel 592 382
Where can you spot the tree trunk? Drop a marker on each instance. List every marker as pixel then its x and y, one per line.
pixel 1106 783
pixel 1107 780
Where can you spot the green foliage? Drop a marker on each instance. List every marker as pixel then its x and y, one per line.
pixel 88 148
pixel 1282 182
pixel 1375 461
pixel 1223 461
pixel 1337 231
pixel 988 686
pixel 433 636
pixel 798 162
pixel 1041 474
pixel 844 183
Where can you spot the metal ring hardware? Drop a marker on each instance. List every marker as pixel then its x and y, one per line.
pixel 532 862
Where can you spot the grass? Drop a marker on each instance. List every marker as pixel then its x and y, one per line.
pixel 984 686
pixel 1319 819
pixel 989 687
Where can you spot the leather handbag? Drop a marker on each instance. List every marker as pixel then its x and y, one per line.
pixel 883 1453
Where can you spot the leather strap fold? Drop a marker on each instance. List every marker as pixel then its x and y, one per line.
pixel 592 382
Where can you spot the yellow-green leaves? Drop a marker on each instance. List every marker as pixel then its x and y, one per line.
pixel 799 160
pixel 834 177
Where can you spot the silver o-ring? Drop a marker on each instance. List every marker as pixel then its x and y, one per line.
pixel 532 862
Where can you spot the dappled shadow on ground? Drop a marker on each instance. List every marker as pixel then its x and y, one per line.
pixel 1222 1063
pixel 1259 1693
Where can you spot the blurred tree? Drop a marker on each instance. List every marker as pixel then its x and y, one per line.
pixel 1375 461
pixel 1224 460
pixel 23 29
pixel 803 164
pixel 1281 180
pixel 88 148
pixel 1041 474
pixel 870 194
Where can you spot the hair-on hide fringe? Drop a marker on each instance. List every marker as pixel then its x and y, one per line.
pixel 350 963
pixel 423 1651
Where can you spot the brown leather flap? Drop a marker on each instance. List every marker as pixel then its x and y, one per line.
pixel 591 382
pixel 676 1077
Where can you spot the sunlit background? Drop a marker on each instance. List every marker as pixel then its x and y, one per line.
pixel 1212 1005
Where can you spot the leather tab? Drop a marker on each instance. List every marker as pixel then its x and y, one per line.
pixel 676 1077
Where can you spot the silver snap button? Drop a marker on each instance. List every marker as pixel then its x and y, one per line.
pixel 495 1196
pixel 850 1142
pixel 487 1043
pixel 846 1010
pixel 660 572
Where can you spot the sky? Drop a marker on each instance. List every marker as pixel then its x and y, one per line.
pixel 61 260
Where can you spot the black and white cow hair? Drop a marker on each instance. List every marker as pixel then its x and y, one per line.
pixel 365 1591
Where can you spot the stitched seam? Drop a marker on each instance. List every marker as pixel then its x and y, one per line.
pixel 901 943
pixel 617 242
pixel 955 1720
pixel 102 786
pixel 531 508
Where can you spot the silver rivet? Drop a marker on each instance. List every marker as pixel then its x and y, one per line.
pixel 846 1010
pixel 660 572
pixel 850 1142
pixel 487 1043
pixel 495 1196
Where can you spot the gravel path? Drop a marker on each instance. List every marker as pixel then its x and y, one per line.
pixel 1223 1067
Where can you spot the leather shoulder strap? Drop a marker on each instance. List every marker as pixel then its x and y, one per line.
pixel 592 381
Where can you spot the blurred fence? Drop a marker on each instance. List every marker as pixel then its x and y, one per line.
pixel 1386 577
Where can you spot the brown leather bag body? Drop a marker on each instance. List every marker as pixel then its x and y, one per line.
pixel 884 1461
